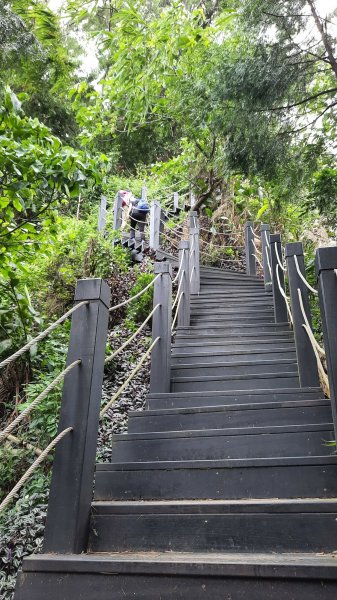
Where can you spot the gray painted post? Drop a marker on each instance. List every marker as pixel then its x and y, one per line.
pixel 265 241
pixel 326 264
pixel 175 202
pixel 155 212
pixel 161 326
pixel 71 489
pixel 306 359
pixel 194 254
pixel 102 214
pixel 184 284
pixel 249 247
pixel 280 306
pixel 118 211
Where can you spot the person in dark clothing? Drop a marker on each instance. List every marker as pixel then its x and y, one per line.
pixel 139 209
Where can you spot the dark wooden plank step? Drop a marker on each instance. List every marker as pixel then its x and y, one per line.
pixel 216 398
pixel 253 442
pixel 300 477
pixel 227 416
pixel 235 346
pixel 249 381
pixel 214 355
pixel 240 367
pixel 207 527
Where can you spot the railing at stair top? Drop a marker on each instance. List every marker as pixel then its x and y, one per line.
pixel 74 463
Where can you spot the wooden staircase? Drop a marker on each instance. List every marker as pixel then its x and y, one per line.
pixel 226 487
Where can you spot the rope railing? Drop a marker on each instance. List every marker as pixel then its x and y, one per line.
pixel 192 271
pixel 14 440
pixel 177 312
pixel 303 278
pixel 178 292
pixel 282 292
pixel 127 381
pixel 4 434
pixel 180 266
pixel 253 232
pixel 278 258
pixel 169 239
pixel 318 351
pixel 33 468
pixel 135 296
pixel 257 250
pixel 42 335
pixel 134 335
pixel 258 261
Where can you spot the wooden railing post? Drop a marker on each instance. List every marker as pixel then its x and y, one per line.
pixel 118 211
pixel 102 214
pixel 265 241
pixel 184 284
pixel 249 248
pixel 161 327
pixel 194 254
pixel 326 265
pixel 175 202
pixel 306 359
pixel 71 489
pixel 155 213
pixel 280 306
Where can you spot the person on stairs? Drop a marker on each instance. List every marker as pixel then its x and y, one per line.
pixel 138 211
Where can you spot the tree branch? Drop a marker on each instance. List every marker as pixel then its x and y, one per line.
pixel 313 97
pixel 324 36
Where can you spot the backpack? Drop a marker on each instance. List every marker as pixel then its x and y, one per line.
pixel 142 205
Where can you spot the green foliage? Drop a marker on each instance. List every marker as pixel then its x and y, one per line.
pixel 324 194
pixel 21 534
pixel 140 308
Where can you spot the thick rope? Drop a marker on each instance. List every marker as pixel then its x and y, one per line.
pixel 266 238
pixel 136 296
pixel 319 349
pixel 284 296
pixel 177 312
pixel 32 468
pixel 253 232
pixel 191 276
pixel 169 239
pixel 215 232
pixel 303 278
pixel 180 266
pixel 278 258
pixel 315 346
pixel 14 440
pixel 178 292
pixel 38 399
pixel 112 356
pixel 256 249
pixel 42 335
pixel 258 261
pixel 133 373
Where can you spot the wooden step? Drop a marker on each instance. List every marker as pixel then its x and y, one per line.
pixel 286 477
pixel 263 414
pixel 215 526
pixel 249 381
pixel 218 398
pixel 236 345
pixel 239 367
pixel 178 575
pixel 219 444
pixel 211 355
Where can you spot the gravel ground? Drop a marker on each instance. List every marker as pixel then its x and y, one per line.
pixel 134 395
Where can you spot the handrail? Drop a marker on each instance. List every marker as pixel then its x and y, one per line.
pixel 303 278
pixel 33 467
pixel 315 346
pixel 278 258
pixel 42 335
pixel 135 296
pixel 177 312
pixel 123 346
pixel 4 434
pixel 284 295
pixel 180 266
pixel 127 381
pixel 177 295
